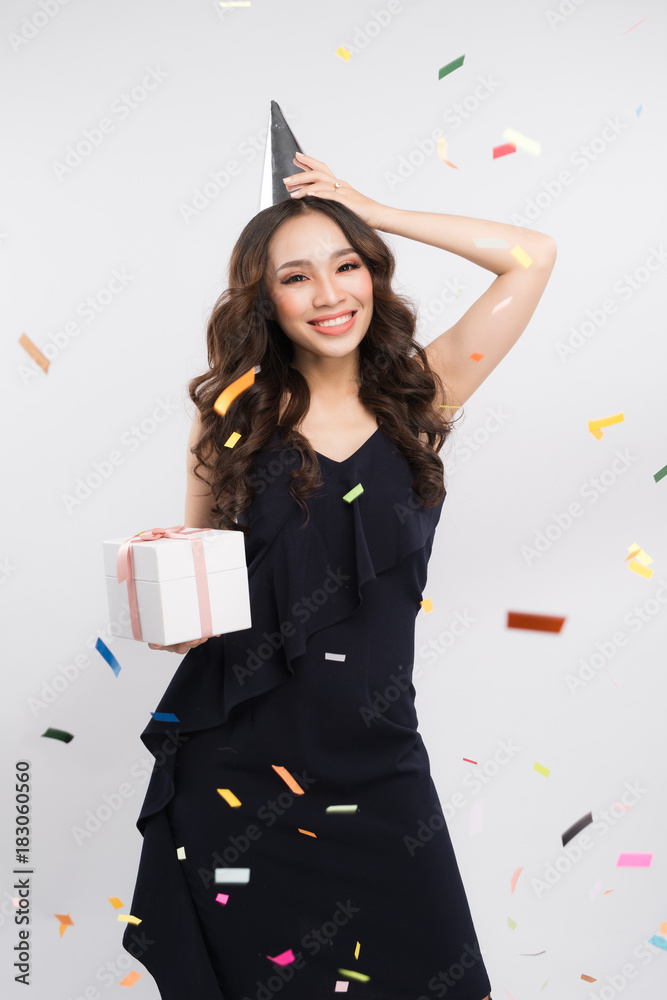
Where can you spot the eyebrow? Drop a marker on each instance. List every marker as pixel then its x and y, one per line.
pixel 305 263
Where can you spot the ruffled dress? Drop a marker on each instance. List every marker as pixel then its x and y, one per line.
pixel 313 707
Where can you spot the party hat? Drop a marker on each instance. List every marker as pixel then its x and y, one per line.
pixel 278 159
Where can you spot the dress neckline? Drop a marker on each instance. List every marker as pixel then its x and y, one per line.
pixel 349 457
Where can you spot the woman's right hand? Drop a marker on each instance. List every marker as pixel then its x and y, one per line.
pixel 180 647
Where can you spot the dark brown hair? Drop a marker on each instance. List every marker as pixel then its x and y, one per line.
pixel 395 379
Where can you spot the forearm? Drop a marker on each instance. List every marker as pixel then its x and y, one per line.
pixel 457 233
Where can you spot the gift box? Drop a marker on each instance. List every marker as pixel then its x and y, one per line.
pixel 178 583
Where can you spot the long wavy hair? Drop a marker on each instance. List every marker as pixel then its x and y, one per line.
pixel 394 377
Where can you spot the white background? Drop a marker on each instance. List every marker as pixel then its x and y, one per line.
pixel 557 79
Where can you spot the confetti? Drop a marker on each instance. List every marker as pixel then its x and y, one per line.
pixel 341 809
pixel 588 979
pixel 476 356
pixel 442 152
pixel 469 761
pixel 427 605
pixel 634 861
pixel 538 623
pixel 341 987
pixel 221 898
pixel 232 875
pixel 228 796
pixel 307 832
pixel 659 942
pixel 356 950
pixel 130 978
pixel 504 150
pixel 511 923
pixel 354 493
pixel 663 927
pixel 232 439
pixel 293 785
pixel 515 878
pixel 34 352
pixel 450 67
pixel 228 395
pixel 127 918
pixel 180 853
pixel 165 717
pixel 634 26
pixel 65 922
pixel 115 902
pixel 596 890
pixel 595 426
pixel 106 653
pixel 343 53
pixel 283 959
pixel 661 474
pixel 335 656
pixel 576 828
pixel 58 734
pixel 541 769
pixel 522 141
pixel 520 254
pixel 355 975
pixel 532 954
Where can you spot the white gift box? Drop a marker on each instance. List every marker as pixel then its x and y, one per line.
pixel 166 586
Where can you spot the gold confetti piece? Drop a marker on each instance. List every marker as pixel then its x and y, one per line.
pixel 520 254
pixel 343 53
pixel 180 853
pixel 427 605
pixel 115 902
pixel 476 356
pixel 640 570
pixel 542 770
pixel 355 975
pixel 442 152
pixel 511 923
pixel 588 979
pixel 307 832
pixel 228 395
pixel 638 553
pixel 354 493
pixel 514 879
pixel 341 809
pixel 228 796
pixel 34 352
pixel 128 918
pixel 595 425
pixel 293 785
pixel 130 978
pixel 232 439
pixel 522 141
pixel 356 950
pixel 65 922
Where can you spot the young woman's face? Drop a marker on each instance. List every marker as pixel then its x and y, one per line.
pixel 313 274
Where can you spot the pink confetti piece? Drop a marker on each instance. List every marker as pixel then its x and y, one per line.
pixel 515 878
pixel 284 959
pixel 222 898
pixel 634 860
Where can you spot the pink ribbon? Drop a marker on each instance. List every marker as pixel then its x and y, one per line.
pixel 125 572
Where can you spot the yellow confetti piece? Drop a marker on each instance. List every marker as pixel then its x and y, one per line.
pixel 34 352
pixel 180 853
pixel 355 975
pixel 307 832
pixel 542 770
pixel 343 53
pixel 637 552
pixel 427 605
pixel 130 978
pixel 228 395
pixel 511 923
pixel 293 785
pixel 228 796
pixel 356 950
pixel 115 902
pixel 595 426
pixel 531 146
pixel 640 570
pixel 354 493
pixel 232 439
pixel 520 254
pixel 128 918
pixel 442 152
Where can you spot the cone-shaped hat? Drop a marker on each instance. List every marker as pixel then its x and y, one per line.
pixel 278 159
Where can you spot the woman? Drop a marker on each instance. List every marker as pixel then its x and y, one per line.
pixel 313 707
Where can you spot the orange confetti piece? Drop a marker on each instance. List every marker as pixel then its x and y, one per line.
pixel 442 152
pixel 228 395
pixel 476 356
pixel 293 785
pixel 64 918
pixel 427 605
pixel 307 832
pixel 588 979
pixel 130 978
pixel 34 352
pixel 115 902
pixel 538 623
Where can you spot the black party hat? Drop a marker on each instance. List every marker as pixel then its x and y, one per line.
pixel 278 159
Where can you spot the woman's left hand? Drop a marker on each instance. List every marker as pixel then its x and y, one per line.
pixel 319 180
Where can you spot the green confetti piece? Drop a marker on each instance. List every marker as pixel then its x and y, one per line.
pixel 660 475
pixel 355 975
pixel 511 923
pixel 354 493
pixel 58 734
pixel 450 67
pixel 543 984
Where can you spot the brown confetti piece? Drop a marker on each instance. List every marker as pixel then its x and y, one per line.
pixel 538 623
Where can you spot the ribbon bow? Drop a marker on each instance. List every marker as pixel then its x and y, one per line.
pixel 125 572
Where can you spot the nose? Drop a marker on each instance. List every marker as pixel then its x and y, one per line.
pixel 326 291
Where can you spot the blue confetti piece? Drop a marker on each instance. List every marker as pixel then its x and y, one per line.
pixel 108 656
pixel 165 717
pixel 659 942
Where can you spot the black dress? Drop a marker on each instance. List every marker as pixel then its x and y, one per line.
pixel 320 685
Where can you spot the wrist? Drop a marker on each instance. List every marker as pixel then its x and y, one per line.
pixel 386 217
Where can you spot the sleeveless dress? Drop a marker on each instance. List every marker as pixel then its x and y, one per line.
pixel 366 901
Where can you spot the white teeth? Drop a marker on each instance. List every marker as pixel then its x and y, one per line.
pixel 337 322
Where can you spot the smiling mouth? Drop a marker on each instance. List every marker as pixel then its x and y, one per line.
pixel 333 323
